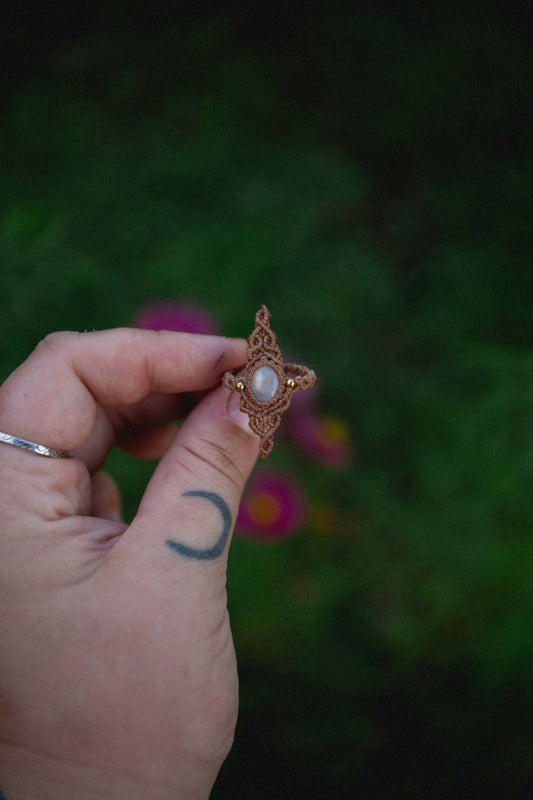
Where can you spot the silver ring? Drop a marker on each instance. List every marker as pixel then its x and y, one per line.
pixel 40 449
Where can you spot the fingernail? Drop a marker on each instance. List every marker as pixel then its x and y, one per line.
pixel 235 414
pixel 115 515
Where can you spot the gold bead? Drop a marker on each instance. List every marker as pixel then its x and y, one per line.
pixel 290 383
pixel 240 386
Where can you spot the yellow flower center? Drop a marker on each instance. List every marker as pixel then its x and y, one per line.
pixel 335 430
pixel 264 509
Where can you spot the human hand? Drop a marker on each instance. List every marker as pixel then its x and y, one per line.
pixel 117 668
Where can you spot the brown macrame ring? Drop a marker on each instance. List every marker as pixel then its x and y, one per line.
pixel 266 394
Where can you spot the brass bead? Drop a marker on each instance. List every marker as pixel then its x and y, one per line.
pixel 240 386
pixel 290 383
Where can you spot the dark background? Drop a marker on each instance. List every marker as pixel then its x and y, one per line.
pixel 364 169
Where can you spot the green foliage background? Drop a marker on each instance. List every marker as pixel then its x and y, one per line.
pixel 365 173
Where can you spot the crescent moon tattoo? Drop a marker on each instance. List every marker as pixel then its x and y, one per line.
pixel 204 554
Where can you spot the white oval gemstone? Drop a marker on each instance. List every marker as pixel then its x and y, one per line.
pixel 265 384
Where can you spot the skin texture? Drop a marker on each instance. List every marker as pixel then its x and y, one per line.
pixel 117 668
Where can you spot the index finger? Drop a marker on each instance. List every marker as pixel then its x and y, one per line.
pixel 54 395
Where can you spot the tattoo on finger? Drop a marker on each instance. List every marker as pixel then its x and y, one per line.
pixel 216 550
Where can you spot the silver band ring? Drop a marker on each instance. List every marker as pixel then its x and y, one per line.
pixel 40 449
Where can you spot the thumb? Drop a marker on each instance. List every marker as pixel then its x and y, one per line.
pixel 193 497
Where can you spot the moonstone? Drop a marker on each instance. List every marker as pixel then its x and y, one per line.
pixel 265 384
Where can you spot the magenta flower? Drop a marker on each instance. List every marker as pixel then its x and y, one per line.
pixel 324 438
pixel 302 404
pixel 272 506
pixel 168 315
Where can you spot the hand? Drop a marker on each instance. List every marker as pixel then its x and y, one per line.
pixel 117 668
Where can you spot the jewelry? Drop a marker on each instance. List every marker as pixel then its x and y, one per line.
pixel 40 449
pixel 268 383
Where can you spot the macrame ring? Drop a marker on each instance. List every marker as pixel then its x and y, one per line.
pixel 268 383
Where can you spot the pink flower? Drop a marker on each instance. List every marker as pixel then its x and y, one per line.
pixel 302 404
pixel 272 506
pixel 325 438
pixel 169 315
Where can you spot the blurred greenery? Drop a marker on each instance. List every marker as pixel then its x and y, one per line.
pixel 366 173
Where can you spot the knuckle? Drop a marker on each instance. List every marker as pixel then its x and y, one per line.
pixel 219 458
pixel 57 340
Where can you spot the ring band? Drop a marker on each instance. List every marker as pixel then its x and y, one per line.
pixel 40 449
